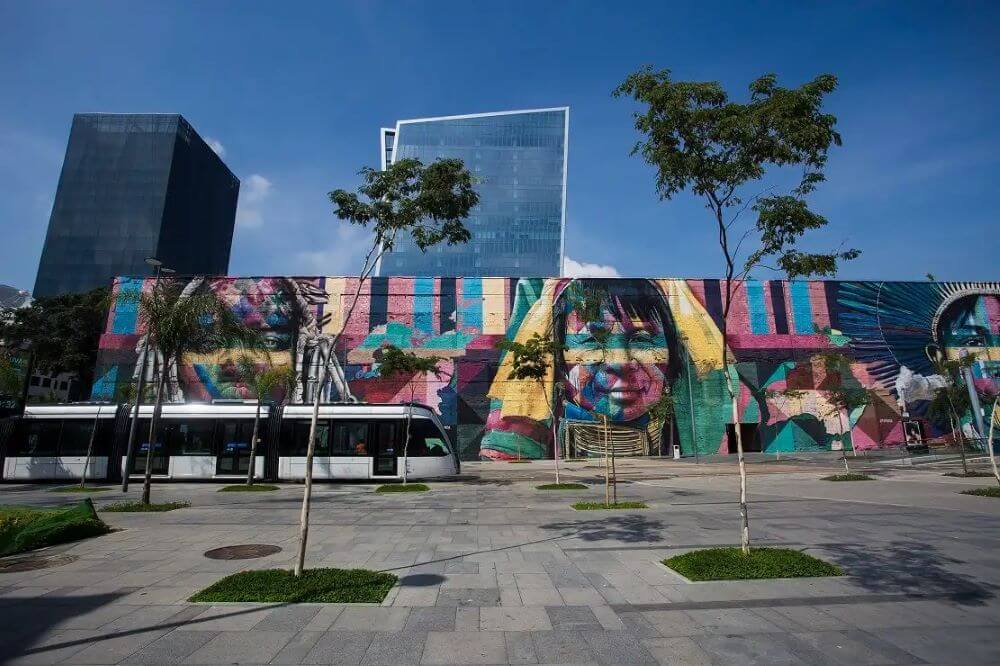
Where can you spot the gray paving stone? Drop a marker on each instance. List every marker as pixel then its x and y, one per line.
pixel 637 625
pixel 562 647
pixel 732 621
pixel 520 648
pixel 439 618
pixel 389 649
pixel 233 647
pixel 371 618
pixel 677 650
pixel 173 648
pixel 763 649
pixel 513 619
pixel 468 597
pixel 288 618
pixel 854 647
pixel 617 647
pixel 465 647
pixel 110 649
pixel 570 618
pixel 296 649
pixel 340 647
pixel 947 645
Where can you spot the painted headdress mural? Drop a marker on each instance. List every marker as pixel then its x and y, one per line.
pixel 627 347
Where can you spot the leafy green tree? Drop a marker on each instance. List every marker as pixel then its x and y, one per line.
pixel 61 334
pixel 266 381
pixel 180 323
pixel 952 399
pixel 427 202
pixel 843 397
pixel 700 140
pixel 532 360
pixel 394 362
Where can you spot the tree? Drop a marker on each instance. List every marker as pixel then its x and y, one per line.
pixel 665 410
pixel 61 334
pixel 179 323
pixel 951 400
pixel 427 202
pixel 843 397
pixel 394 362
pixel 265 382
pixel 533 360
pixel 700 140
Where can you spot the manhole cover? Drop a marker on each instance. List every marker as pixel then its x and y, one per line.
pixel 246 551
pixel 35 562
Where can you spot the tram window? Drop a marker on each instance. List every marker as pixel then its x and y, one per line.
pixel 387 436
pixel 190 438
pixel 295 438
pixel 76 437
pixel 38 438
pixel 426 439
pixel 236 436
pixel 350 438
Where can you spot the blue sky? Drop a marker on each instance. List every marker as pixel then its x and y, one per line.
pixel 295 94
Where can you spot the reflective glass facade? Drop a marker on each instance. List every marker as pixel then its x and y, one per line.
pixel 134 186
pixel 520 161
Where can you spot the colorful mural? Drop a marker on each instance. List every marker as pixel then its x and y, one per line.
pixel 630 349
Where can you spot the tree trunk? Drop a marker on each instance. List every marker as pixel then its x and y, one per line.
pixel 406 442
pixel 556 448
pixel 843 450
pixel 147 481
pixel 614 473
pixel 90 450
pixel 253 445
pixel 300 561
pixel 607 464
pixel 961 443
pixel 744 514
pixel 989 440
pixel 129 448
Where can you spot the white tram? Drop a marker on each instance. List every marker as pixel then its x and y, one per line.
pixel 203 441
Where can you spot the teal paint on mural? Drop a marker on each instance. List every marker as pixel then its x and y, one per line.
pixel 127 306
pixel 104 387
pixel 450 340
pixel 472 304
pixel 801 307
pixel 423 305
pixel 396 334
pixel 758 311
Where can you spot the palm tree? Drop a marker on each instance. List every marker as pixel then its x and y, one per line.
pixel 265 381
pixel 181 321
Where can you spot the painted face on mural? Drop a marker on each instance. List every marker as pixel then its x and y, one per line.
pixel 616 359
pixel 972 326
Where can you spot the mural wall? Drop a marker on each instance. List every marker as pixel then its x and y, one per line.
pixel 641 364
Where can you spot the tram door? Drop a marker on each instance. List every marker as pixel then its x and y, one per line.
pixel 386 445
pixel 234 455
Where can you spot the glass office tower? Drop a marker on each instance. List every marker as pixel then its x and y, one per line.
pixel 134 186
pixel 519 158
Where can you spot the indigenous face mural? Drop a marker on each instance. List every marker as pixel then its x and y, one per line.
pixel 640 361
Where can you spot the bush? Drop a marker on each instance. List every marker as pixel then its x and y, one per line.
pixel 597 506
pixel 402 488
pixel 24 529
pixel 243 488
pixel 330 586
pixel 992 491
pixel 732 564
pixel 139 507
pixel 853 476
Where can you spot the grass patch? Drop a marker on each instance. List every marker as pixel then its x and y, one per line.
pixel 852 476
pixel 23 528
pixel 326 586
pixel 244 488
pixel 403 488
pixel 139 507
pixel 992 491
pixel 562 486
pixel 732 564
pixel 78 489
pixel 970 475
pixel 597 506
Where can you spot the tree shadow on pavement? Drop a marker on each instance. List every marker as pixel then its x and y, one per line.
pixel 624 529
pixel 912 568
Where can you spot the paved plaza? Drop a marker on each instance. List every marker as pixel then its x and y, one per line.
pixel 493 571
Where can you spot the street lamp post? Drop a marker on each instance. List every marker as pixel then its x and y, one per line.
pixel 143 356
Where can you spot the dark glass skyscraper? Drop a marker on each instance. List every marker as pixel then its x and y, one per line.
pixel 519 158
pixel 134 186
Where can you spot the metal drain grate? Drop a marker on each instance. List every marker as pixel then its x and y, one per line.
pixel 35 562
pixel 247 551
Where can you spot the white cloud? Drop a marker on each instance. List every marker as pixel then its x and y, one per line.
pixel 216 145
pixel 343 257
pixel 573 268
pixel 255 190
